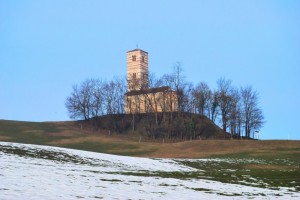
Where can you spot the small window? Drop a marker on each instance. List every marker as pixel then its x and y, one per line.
pixel 145 76
pixel 143 59
pixel 134 75
pixel 134 58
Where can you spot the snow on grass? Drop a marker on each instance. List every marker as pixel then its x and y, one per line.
pixel 42 172
pixel 107 162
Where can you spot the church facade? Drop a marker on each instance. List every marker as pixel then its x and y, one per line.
pixel 139 97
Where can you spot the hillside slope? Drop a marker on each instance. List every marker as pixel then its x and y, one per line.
pixel 70 135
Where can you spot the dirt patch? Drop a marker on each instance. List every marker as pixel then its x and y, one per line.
pixel 271 167
pixel 65 133
pixel 90 138
pixel 2 137
pixel 206 148
pixel 75 140
pixel 36 132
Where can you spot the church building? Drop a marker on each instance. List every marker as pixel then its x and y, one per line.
pixel 139 97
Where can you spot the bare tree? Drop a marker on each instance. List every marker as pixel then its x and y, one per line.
pixel 176 81
pixel 167 105
pixel 120 89
pixel 235 113
pixel 113 92
pixel 187 104
pixel 79 102
pixel 179 83
pixel 212 105
pixel 225 100
pixel 252 115
pixel 201 95
pixel 97 98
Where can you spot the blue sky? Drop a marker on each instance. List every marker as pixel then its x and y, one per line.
pixel 48 46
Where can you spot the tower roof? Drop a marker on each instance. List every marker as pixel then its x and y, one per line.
pixel 137 50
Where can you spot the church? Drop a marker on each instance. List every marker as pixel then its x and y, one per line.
pixel 140 98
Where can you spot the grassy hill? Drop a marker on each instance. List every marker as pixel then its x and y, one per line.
pixel 73 135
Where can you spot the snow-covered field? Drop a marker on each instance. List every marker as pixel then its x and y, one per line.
pixel 43 172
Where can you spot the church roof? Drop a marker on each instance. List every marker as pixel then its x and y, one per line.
pixel 150 90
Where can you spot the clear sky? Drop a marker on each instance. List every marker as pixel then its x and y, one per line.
pixel 48 46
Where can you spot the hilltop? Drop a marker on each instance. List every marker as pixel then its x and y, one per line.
pixel 155 126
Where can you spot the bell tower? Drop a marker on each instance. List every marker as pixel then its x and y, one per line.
pixel 137 70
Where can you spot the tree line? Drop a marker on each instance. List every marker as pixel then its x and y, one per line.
pixel 94 97
pixel 235 109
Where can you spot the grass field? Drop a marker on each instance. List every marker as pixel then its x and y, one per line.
pixel 270 163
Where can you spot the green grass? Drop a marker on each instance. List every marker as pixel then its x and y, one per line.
pixel 111 148
pixel 262 170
